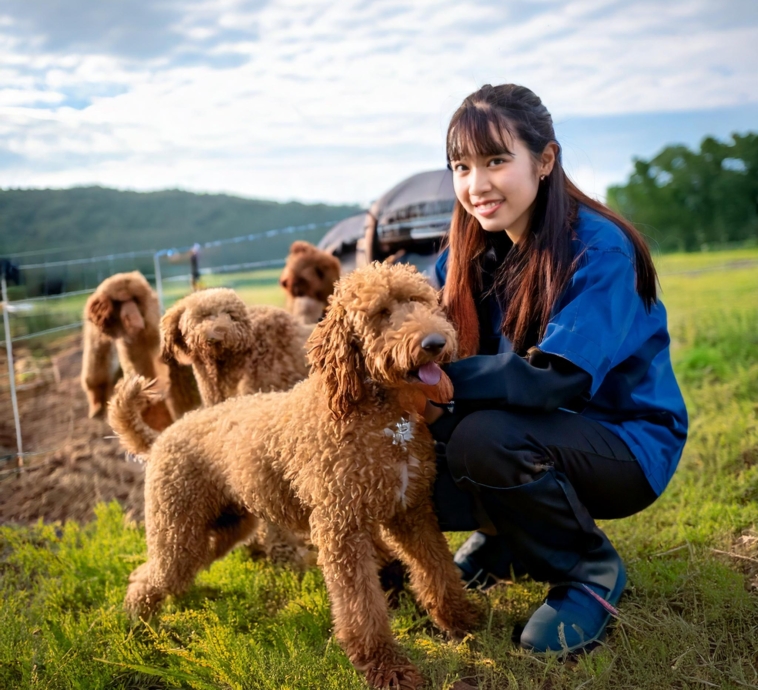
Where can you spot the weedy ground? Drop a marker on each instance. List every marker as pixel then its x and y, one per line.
pixel 689 618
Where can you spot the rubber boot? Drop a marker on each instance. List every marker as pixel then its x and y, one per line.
pixel 551 532
pixel 485 559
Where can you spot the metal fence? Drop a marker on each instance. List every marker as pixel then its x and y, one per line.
pixel 66 284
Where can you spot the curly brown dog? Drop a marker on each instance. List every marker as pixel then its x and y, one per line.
pixel 125 309
pixel 99 368
pixel 234 349
pixel 308 279
pixel 338 454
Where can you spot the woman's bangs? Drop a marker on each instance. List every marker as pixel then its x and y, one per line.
pixel 477 132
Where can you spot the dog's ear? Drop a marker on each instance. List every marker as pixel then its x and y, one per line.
pixel 99 310
pixel 244 328
pixel 300 247
pixel 173 345
pixel 332 353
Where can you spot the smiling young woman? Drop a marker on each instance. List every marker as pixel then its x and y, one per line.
pixel 566 407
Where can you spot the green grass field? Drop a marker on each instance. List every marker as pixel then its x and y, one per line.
pixel 689 618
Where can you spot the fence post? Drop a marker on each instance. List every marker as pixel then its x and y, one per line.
pixel 11 369
pixel 158 279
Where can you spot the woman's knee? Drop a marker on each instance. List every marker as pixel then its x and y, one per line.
pixel 490 448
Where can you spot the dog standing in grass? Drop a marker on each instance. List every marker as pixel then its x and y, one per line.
pixel 339 454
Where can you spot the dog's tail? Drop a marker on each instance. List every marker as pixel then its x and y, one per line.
pixel 131 396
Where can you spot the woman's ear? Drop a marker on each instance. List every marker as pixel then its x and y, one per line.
pixel 332 353
pixel 173 345
pixel 548 158
pixel 99 310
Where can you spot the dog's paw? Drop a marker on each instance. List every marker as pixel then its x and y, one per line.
pixel 386 667
pixel 395 677
pixel 458 620
pixel 142 600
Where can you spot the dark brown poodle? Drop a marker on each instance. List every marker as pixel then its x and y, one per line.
pixel 308 279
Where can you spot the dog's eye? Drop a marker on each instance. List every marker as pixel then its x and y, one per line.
pixel 385 314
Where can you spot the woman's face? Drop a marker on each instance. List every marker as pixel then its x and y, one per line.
pixel 499 190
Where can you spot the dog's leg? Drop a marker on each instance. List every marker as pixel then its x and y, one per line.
pixel 416 537
pixel 227 535
pixel 97 399
pixel 179 545
pixel 347 557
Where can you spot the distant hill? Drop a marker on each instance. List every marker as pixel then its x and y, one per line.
pixel 87 221
pixel 51 230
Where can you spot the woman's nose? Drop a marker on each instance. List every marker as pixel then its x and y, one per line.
pixel 479 181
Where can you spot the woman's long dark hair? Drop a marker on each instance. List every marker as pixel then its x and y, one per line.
pixel 538 269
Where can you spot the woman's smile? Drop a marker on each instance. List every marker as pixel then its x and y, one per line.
pixel 488 208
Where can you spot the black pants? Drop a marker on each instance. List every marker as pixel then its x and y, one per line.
pixel 506 448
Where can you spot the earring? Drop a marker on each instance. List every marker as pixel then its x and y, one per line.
pixel 542 177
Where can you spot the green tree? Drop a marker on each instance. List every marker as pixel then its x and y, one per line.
pixel 685 200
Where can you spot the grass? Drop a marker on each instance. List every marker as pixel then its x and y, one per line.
pixel 688 620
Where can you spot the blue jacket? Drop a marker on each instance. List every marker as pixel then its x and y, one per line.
pixel 600 325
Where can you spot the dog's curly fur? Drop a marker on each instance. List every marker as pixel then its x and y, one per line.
pixel 308 278
pixel 100 368
pixel 125 309
pixel 236 349
pixel 233 348
pixel 326 455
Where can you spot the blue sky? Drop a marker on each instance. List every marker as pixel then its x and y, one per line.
pixel 337 101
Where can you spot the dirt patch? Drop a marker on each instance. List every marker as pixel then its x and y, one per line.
pixel 75 461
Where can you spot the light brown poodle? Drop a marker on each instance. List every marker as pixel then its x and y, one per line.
pixel 100 368
pixel 125 309
pixel 338 454
pixel 308 279
pixel 234 349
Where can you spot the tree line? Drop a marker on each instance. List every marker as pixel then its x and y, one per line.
pixel 685 200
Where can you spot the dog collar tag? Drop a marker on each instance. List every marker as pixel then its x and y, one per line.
pixel 403 434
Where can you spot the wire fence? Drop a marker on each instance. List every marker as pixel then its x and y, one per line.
pixel 49 299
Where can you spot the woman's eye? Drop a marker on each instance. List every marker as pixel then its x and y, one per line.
pixel 459 167
pixel 497 161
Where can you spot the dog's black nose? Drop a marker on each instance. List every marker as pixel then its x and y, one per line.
pixel 433 343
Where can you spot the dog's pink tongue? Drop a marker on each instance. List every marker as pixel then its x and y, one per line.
pixel 430 374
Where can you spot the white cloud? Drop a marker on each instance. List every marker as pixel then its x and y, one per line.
pixel 338 101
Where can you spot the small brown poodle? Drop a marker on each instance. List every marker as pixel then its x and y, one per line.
pixel 338 454
pixel 234 349
pixel 99 368
pixel 125 309
pixel 308 278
